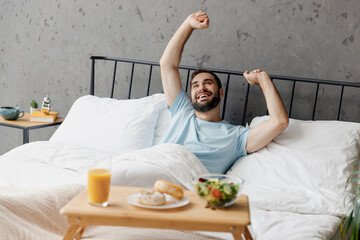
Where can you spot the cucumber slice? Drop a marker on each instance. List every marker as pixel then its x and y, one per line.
pixel 227 189
pixel 204 189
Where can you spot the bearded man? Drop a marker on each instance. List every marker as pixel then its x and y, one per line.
pixel 195 121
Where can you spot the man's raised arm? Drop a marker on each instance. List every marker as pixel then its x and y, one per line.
pixel 170 60
pixel 265 132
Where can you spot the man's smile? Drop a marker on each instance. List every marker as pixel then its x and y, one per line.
pixel 203 96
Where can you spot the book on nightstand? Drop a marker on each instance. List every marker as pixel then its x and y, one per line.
pixel 38 116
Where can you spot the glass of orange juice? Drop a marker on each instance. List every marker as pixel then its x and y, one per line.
pixel 99 181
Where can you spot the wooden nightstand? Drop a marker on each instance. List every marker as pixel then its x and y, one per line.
pixel 25 124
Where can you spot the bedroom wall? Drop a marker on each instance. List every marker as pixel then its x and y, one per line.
pixel 45 46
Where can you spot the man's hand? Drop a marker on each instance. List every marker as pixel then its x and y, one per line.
pixel 255 76
pixel 170 60
pixel 198 20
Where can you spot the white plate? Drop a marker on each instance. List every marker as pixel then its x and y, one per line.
pixel 171 202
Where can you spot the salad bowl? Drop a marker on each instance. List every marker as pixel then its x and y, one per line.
pixel 218 190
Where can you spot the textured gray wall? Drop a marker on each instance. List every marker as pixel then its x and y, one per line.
pixel 45 45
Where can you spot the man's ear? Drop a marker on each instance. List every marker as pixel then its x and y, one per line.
pixel 221 92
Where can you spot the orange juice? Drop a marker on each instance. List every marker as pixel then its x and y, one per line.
pixel 98 185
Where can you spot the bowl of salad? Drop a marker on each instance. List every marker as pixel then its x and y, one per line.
pixel 218 190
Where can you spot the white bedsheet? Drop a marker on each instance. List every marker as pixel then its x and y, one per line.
pixel 269 225
pixel 266 225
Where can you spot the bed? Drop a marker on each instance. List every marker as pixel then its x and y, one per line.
pixel 296 185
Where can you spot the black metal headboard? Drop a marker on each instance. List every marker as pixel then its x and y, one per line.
pixel 229 75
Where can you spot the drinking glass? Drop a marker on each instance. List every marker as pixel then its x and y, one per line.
pixel 99 181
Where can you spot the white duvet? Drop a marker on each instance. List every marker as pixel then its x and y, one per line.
pixel 49 164
pixel 46 164
pixel 38 178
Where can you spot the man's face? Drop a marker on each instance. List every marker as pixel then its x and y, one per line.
pixel 205 94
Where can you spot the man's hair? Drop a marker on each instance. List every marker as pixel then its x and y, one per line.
pixel 196 72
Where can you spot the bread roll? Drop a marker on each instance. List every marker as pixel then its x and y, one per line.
pixel 169 188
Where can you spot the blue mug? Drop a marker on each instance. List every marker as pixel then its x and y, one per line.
pixel 11 113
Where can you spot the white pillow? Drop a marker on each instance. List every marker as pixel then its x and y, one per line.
pixel 111 125
pixel 162 125
pixel 304 169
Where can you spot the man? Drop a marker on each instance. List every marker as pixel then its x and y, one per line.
pixel 196 123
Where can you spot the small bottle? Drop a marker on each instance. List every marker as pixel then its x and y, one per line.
pixel 46 105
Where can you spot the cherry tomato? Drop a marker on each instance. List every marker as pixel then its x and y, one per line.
pixel 216 193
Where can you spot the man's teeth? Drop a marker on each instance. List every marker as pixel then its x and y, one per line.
pixel 203 96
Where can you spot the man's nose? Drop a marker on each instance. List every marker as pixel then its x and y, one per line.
pixel 203 87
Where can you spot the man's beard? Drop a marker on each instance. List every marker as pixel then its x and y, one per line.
pixel 207 106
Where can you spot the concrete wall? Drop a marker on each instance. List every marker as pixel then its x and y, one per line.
pixel 45 45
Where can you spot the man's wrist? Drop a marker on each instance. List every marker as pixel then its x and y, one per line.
pixel 187 24
pixel 265 82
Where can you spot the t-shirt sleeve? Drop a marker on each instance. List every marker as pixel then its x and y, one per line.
pixel 242 140
pixel 182 101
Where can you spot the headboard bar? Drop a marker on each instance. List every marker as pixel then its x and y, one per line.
pixel 314 80
pixel 292 97
pixel 113 82
pixel 245 104
pixel 225 95
pixel 92 77
pixel 187 80
pixel 229 73
pixel 315 100
pixel 149 81
pixel 340 101
pixel 131 79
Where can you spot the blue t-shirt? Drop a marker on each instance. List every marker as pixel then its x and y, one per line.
pixel 216 144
